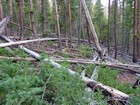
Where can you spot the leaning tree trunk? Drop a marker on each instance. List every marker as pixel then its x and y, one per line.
pixel 58 26
pixel 135 31
pixel 116 27
pixel 95 38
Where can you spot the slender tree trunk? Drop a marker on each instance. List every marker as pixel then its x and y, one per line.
pixel 128 39
pixel 108 26
pixel 20 5
pixel 135 31
pixel 116 27
pixel 138 40
pixel 70 23
pixel 38 6
pixel 32 22
pixel 122 26
pixel 11 7
pixel 80 23
pixel 1 10
pixel 58 26
pixel 44 14
pixel 11 13
pixel 66 22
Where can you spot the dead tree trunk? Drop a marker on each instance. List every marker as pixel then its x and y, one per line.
pixel 70 23
pixel 32 22
pixel 95 38
pixel 135 31
pixel 58 26
pixel 116 28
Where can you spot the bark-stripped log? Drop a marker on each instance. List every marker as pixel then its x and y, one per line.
pixel 127 67
pixel 25 41
pixel 90 83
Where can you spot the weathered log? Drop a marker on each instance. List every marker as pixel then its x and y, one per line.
pixel 90 83
pixel 127 67
pixel 25 41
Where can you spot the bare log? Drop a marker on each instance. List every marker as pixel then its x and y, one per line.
pixel 128 67
pixel 90 83
pixel 25 41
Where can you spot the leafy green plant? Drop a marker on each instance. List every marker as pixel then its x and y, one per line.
pixel 86 51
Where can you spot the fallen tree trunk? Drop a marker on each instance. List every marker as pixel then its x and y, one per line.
pixel 109 91
pixel 128 67
pixel 25 41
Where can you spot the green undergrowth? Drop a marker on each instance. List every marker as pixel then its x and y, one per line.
pixel 16 52
pixel 86 51
pixel 108 77
pixel 3 52
pixel 21 84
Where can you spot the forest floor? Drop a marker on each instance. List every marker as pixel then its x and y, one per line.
pixel 116 78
